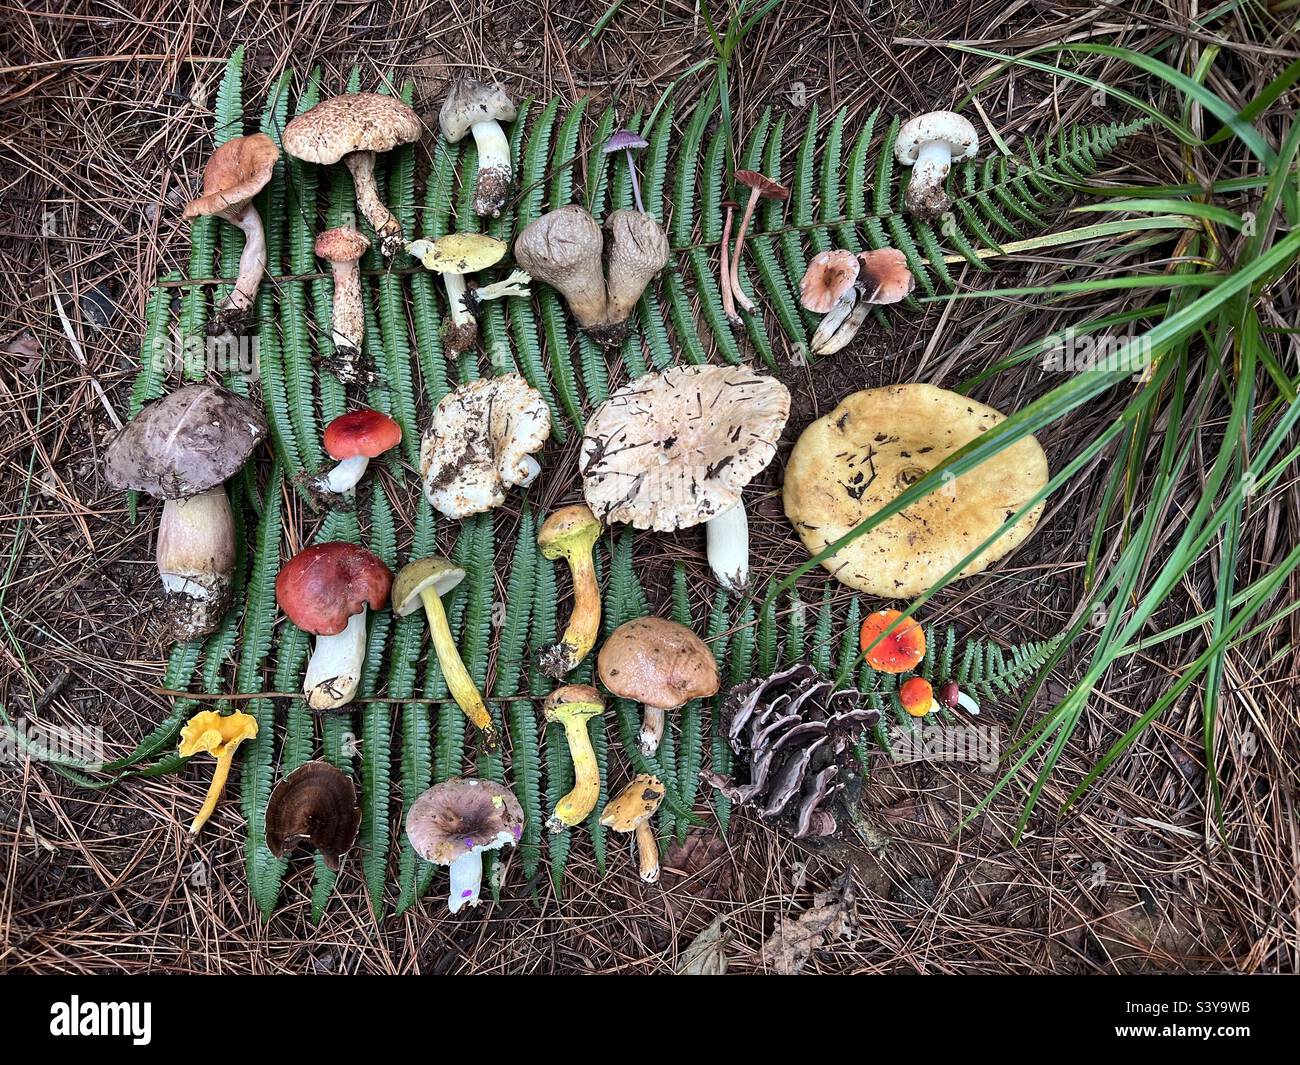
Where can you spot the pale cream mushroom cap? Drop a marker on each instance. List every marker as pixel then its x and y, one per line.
pixel 877 443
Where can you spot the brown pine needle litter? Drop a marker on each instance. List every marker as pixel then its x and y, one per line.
pixel 105 122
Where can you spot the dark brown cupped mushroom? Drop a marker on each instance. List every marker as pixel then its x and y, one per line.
pixel 315 804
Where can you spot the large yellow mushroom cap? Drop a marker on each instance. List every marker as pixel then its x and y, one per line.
pixel 877 443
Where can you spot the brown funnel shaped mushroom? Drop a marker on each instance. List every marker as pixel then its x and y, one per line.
pixel 315 804
pixel 638 250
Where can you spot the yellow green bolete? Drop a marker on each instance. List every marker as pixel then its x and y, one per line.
pixel 571 707
pixel 630 811
pixel 425 581
pixel 455 255
pixel 571 533
pixel 209 732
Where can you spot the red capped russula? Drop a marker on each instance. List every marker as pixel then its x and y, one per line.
pixel 354 439
pixel 899 651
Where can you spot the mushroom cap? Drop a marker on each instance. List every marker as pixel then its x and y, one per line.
pixel 670 450
pixel 187 442
pixel 361 432
pixel 638 245
pixel 322 586
pixel 765 186
pixel 884 276
pixel 657 662
pixel 917 696
pixel 875 444
pixel 236 172
pixel 459 253
pixel 469 101
pixel 634 805
pixel 901 650
pixel 480 442
pixel 210 732
pixel 460 816
pixel 436 572
pixel 353 122
pixel 317 804
pixel 949 127
pixel 570 526
pixel 573 700
pixel 558 242
pixel 342 244
pixel 623 140
pixel 829 276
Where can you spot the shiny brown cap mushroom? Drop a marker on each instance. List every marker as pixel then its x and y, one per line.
pixel 315 804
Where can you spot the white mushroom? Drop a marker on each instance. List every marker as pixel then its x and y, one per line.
pixel 930 144
pixel 473 107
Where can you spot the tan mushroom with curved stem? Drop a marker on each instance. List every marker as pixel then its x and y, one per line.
pixel 342 247
pixel 571 707
pixel 472 107
pixel 630 811
pixel 761 187
pixel 565 249
pixel 571 533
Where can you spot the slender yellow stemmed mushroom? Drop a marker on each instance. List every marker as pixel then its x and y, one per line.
pixel 570 533
pixel 218 735
pixel 572 706
pixel 427 580
pixel 630 811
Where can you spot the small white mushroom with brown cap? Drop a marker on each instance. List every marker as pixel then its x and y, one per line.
pixel 630 811
pixel 844 287
pixel 342 247
pixel 930 144
pixel 474 107
pixel 673 449
pixel 481 443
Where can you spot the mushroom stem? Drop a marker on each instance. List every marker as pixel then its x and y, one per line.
pixel 196 559
pixel 925 196
pixel 741 299
pixel 492 185
pixel 466 879
pixel 215 787
pixel 334 669
pixel 347 321
pixel 387 228
pixel 841 323
pixel 724 271
pixel 647 849
pixel 584 623
pixel 968 704
pixel 636 185
pixel 579 802
pixel 652 728
pixel 459 682
pixel 727 537
pixel 462 327
pixel 343 477
pixel 235 311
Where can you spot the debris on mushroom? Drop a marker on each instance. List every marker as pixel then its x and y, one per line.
pixel 630 811
pixel 670 450
pixel 875 445
pixel 481 442
pixel 354 439
pixel 353 128
pixel 454 256
pixel 895 650
pixel 325 590
pixel 624 140
pixel 342 247
pixel 316 804
pixel 565 249
pixel 182 449
pixel 473 107
pixel 571 533
pixel 760 187
pixel 881 277
pixel 571 707
pixel 423 582
pixel 660 664
pixel 930 144
pixel 455 822
pixel 235 174
pixel 917 697
pixel 209 732
pixel 638 250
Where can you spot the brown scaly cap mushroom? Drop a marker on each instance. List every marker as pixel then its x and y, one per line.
pixel 237 172
pixel 661 665
pixel 671 450
pixel 564 249
pixel 473 107
pixel 343 247
pixel 761 187
pixel 630 811
pixel 353 128
pixel 183 448
pixel 315 804
pixel 873 446
pixel 638 250
pixel 883 277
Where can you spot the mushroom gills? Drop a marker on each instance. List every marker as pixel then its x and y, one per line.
pixel 334 669
pixel 196 559
pixel 841 323
pixel 727 538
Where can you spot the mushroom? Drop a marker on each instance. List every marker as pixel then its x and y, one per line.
pixel 454 256
pixel 219 735
pixel 354 439
pixel 882 276
pixel 481 442
pixel 564 249
pixel 514 284
pixel 353 128
pixel 638 250
pixel 454 822
pixel 315 804
pixel 930 144
pixel 571 707
pixel 182 449
pixel 325 590
pixel 473 107
pixel 724 266
pixel 630 811
pixel 660 664
pixel 900 650
pixel 425 581
pixel 624 140
pixel 670 450
pixel 342 247
pixel 571 533
pixel 951 696
pixel 917 696
pixel 877 443
pixel 237 172
pixel 760 187
pixel 829 278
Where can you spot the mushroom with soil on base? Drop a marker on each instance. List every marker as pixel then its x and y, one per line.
pixel 630 811
pixel 473 107
pixel 182 449
pixel 878 277
pixel 930 144
pixel 565 249
pixel 325 590
pixel 342 247
pixel 315 804
pixel 638 251
pixel 354 439
pixel 219 735
pixel 571 533
pixel 423 582
pixel 670 450
pixel 235 174
pixel 353 128
pixel 571 707
pixel 455 822
pixel 454 256
pixel 760 187
pixel 660 664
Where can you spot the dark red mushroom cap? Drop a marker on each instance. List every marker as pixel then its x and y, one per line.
pixel 763 185
pixel 361 432
pixel 322 586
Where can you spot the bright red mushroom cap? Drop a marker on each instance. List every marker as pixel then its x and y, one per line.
pixel 898 652
pixel 361 432
pixel 322 586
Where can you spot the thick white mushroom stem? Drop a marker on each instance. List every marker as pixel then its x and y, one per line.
pixel 492 186
pixel 652 728
pixel 387 228
pixel 841 323
pixel 348 322
pixel 466 880
pixel 235 312
pixel 196 560
pixel 925 196
pixel 727 538
pixel 334 669
pixel 460 330
pixel 343 477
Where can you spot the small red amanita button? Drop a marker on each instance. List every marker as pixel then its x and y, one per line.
pixel 354 439
pixel 917 697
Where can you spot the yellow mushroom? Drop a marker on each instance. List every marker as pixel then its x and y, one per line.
pixel 572 706
pixel 571 533
pixel 218 735
pixel 630 811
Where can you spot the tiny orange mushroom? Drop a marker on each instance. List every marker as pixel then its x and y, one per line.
pixel 917 696
pixel 898 652
pixel 219 735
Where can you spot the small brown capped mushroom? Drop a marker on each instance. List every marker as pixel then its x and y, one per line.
pixel 630 811
pixel 315 804
pixel 343 247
